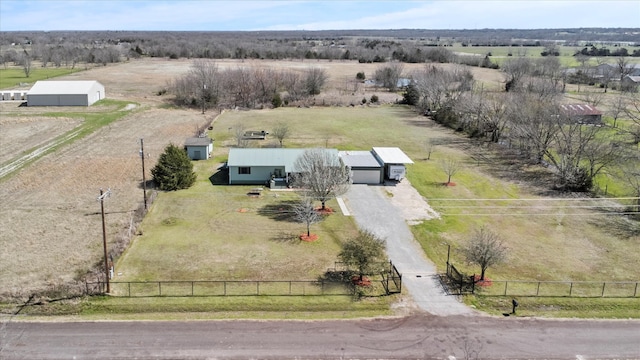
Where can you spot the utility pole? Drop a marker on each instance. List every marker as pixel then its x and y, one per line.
pixel 101 198
pixel 144 179
pixel 204 90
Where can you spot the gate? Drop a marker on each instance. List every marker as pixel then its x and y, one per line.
pixel 392 280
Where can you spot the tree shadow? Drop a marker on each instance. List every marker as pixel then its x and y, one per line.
pixel 281 211
pixel 285 237
pixel 149 184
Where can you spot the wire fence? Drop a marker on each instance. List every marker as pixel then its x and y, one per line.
pixel 222 288
pixel 619 289
pixel 337 281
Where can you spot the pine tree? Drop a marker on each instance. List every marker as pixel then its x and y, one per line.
pixel 174 170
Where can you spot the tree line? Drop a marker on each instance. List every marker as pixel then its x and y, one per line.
pixel 527 117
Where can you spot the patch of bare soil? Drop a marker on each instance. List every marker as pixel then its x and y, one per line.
pixel 411 204
pixel 50 220
pixel 19 134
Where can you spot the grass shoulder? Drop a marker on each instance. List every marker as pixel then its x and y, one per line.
pixel 559 307
pixel 212 308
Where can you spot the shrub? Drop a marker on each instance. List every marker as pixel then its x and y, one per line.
pixel 276 101
pixel 174 170
pixel 374 98
pixel 360 75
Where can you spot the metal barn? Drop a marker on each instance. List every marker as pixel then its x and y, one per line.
pixel 65 93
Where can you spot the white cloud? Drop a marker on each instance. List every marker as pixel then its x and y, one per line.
pixel 313 15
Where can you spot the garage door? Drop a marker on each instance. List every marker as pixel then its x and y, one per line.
pixel 365 176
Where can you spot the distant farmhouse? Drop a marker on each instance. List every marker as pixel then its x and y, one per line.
pixel 631 83
pixel 65 93
pixel 276 166
pixel 582 113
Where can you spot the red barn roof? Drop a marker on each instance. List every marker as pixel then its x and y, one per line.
pixel 580 109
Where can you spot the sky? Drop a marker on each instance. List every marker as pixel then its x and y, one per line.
pixel 241 15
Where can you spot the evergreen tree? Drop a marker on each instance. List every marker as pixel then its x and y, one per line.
pixel 174 170
pixel 412 95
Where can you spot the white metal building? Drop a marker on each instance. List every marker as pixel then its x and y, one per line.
pixel 65 93
pixel 394 161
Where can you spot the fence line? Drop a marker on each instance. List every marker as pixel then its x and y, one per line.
pixel 610 289
pixel 389 277
pixel 224 288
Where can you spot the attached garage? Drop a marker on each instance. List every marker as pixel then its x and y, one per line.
pixel 65 93
pixel 364 167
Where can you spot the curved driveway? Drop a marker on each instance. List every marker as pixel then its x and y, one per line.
pixel 374 212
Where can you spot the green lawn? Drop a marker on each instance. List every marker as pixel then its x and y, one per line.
pixel 218 232
pixel 14 76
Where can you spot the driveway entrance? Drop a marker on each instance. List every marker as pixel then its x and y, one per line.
pixel 374 210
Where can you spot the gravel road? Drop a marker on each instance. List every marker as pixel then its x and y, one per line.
pixel 387 211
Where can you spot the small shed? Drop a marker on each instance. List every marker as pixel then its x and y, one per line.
pixel 65 93
pixel 363 166
pixel 582 113
pixel 394 162
pixel 198 148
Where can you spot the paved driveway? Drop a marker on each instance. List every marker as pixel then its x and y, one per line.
pixel 373 210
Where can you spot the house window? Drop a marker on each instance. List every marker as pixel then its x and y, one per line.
pixel 244 170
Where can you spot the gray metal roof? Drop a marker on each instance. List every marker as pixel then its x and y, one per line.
pixel 198 141
pixel 62 87
pixel 267 157
pixel 356 159
pixel 392 155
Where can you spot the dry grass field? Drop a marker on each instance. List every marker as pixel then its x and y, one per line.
pixel 50 225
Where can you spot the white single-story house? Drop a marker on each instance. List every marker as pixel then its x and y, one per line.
pixel 393 160
pixel 363 166
pixel 199 148
pixel 65 93
pixel 261 165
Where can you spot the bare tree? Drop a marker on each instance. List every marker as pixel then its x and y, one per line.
pixel 485 248
pixel 241 140
pixel 617 105
pixel 389 75
pixel 630 174
pixel 321 174
pixel 516 69
pixel 315 79
pixel 304 212
pixel 450 167
pixel 26 63
pixel 607 73
pixel 533 125
pixel 280 132
pixel 624 66
pixel 574 146
pixel 632 112
pixel 429 146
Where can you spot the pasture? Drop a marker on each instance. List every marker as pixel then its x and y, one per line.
pixel 50 224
